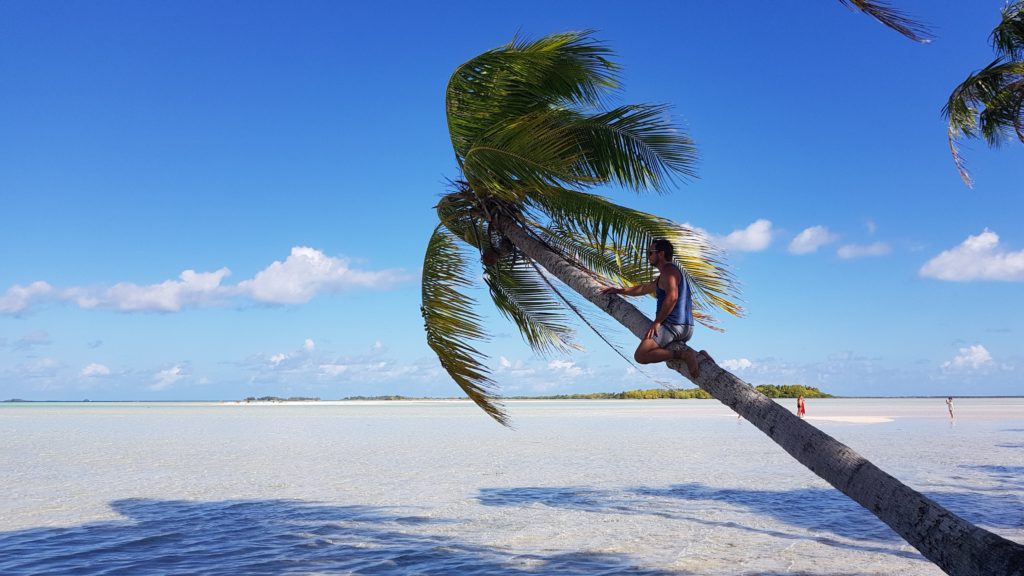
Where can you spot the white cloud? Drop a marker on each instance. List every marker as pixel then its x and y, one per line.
pixel 95 370
pixel 516 368
pixel 977 258
pixel 308 345
pixel 753 238
pixel 737 364
pixel 192 289
pixel 307 272
pixel 333 369
pixel 811 239
pixel 166 378
pixel 861 250
pixel 18 298
pixel 972 357
pixel 567 367
pixel 871 226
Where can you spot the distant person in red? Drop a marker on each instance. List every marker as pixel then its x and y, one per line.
pixel 801 408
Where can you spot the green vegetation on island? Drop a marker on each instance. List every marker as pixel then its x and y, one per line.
pixel 791 391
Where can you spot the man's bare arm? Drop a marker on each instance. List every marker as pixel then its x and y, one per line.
pixel 638 290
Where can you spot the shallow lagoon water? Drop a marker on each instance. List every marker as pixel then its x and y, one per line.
pixel 587 487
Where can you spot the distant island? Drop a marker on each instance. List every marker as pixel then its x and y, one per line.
pixel 769 390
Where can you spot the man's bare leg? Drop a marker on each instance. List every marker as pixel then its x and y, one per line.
pixel 648 352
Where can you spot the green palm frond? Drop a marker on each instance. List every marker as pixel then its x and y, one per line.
pixel 1007 37
pixel 533 150
pixel 636 146
pixel 523 77
pixel 460 213
pixel 525 298
pixel 612 240
pixel 606 263
pixel 1001 119
pixel 986 105
pixel 893 18
pixel 451 322
pixel 592 222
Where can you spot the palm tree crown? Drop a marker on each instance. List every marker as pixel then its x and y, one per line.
pixel 990 103
pixel 533 131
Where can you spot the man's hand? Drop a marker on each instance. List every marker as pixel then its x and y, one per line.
pixel 611 290
pixel 652 332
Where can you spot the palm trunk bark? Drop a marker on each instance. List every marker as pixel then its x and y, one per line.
pixel 957 546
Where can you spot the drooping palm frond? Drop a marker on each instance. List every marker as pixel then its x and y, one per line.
pixel 893 18
pixel 989 104
pixel 461 214
pixel 524 77
pixel 598 223
pixel 636 146
pixel 451 322
pixel 986 105
pixel 1007 37
pixel 612 240
pixel 524 297
pixel 533 150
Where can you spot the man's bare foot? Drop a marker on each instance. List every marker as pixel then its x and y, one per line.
pixel 690 357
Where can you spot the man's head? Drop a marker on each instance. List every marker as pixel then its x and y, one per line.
pixel 660 245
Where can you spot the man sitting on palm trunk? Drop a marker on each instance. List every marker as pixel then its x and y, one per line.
pixel 674 319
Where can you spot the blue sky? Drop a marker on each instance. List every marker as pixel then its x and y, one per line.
pixel 213 200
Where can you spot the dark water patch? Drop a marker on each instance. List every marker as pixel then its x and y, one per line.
pixel 1009 478
pixel 1021 445
pixel 273 537
pixel 812 509
pixel 997 470
pixel 989 510
pixel 573 497
pixel 639 502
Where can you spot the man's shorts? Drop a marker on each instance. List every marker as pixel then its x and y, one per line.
pixel 669 333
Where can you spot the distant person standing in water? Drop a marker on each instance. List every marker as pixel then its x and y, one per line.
pixel 801 407
pixel 949 405
pixel 674 317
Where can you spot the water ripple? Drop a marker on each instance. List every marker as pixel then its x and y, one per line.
pixel 271 537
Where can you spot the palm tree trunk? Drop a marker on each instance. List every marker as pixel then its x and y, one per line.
pixel 954 544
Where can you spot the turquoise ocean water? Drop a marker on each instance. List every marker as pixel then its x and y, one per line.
pixel 587 487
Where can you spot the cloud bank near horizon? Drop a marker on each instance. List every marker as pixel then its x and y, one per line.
pixel 303 275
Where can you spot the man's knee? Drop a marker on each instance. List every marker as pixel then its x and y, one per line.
pixel 641 356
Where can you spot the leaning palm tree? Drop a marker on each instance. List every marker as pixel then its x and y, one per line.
pixel 989 104
pixel 533 133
